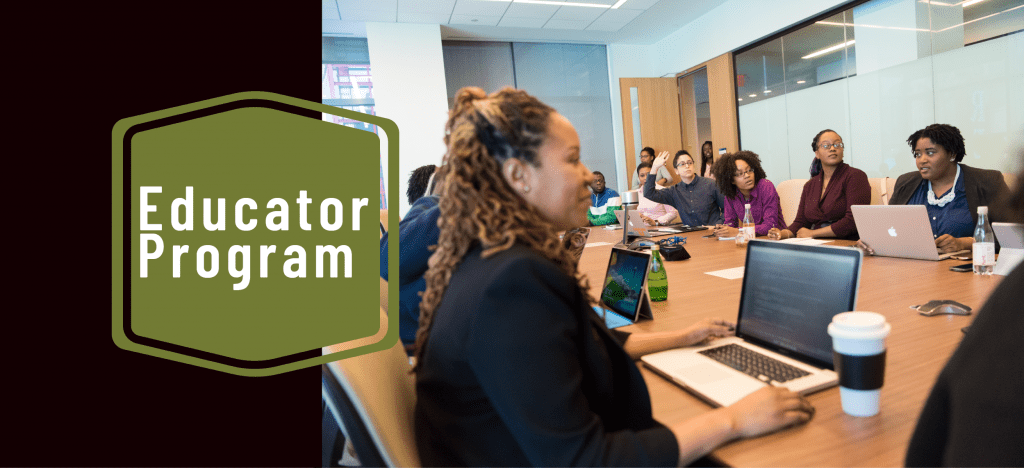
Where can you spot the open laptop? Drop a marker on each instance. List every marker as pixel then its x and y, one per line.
pixel 790 294
pixel 1011 247
pixel 638 228
pixel 898 231
pixel 624 294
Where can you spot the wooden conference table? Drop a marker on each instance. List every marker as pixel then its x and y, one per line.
pixel 918 348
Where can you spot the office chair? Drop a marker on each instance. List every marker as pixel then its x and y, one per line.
pixel 374 394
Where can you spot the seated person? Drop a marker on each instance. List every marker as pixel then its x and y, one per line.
pixel 653 213
pixel 824 209
pixel 974 415
pixel 418 231
pixel 741 180
pixel 513 365
pixel 696 198
pixel 601 193
pixel 951 191
pixel 664 179
pixel 707 159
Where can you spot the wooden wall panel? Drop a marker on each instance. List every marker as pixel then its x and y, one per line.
pixel 722 93
pixel 659 118
pixel 688 108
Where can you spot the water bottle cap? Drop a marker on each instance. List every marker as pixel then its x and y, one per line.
pixel 655 247
pixel 982 210
pixel 746 205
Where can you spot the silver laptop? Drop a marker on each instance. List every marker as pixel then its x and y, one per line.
pixel 624 293
pixel 1011 247
pixel 898 231
pixel 638 228
pixel 790 294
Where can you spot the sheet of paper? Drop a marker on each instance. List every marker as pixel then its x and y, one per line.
pixel 595 244
pixel 729 273
pixel 805 241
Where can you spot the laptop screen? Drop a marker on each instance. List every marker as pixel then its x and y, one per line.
pixel 790 294
pixel 624 282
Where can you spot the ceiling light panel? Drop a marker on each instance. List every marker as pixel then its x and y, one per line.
pixel 476 7
pixel 640 4
pixel 480 20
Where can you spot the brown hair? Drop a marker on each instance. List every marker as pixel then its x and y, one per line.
pixel 477 205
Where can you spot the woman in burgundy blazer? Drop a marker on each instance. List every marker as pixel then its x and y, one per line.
pixel 824 209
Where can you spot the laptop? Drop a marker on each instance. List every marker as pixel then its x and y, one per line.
pixel 898 231
pixel 1011 247
pixel 624 293
pixel 638 228
pixel 790 294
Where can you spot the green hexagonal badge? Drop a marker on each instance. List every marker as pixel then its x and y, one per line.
pixel 243 234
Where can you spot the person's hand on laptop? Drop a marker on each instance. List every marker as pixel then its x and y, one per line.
pixel 947 243
pixel 865 248
pixel 648 220
pixel 705 329
pixel 767 410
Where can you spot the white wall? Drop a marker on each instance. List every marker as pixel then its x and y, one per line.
pixel 624 61
pixel 409 88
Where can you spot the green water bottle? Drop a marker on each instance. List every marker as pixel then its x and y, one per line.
pixel 657 280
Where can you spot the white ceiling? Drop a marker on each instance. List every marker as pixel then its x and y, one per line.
pixel 634 22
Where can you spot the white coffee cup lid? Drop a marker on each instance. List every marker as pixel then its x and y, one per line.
pixel 859 325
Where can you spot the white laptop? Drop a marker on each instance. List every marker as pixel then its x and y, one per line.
pixel 898 231
pixel 624 293
pixel 638 228
pixel 1011 246
pixel 790 294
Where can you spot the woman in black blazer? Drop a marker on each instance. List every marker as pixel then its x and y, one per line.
pixel 513 366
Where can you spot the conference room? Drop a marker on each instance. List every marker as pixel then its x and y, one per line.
pixel 746 77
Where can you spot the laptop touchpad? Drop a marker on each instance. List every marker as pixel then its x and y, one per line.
pixel 707 373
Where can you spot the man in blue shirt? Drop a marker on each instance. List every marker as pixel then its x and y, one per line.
pixel 601 193
pixel 696 198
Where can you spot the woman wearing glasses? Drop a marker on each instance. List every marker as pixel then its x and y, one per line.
pixel 951 191
pixel 696 198
pixel 824 209
pixel 741 180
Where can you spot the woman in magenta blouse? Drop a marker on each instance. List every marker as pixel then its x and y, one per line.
pixel 824 209
pixel 741 180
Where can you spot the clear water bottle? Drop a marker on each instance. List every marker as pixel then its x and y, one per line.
pixel 746 229
pixel 984 244
pixel 657 280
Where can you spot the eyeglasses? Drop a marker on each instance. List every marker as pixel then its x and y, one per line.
pixel 929 152
pixel 741 174
pixel 684 164
pixel 826 146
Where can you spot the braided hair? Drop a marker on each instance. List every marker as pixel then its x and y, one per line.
pixel 418 182
pixel 477 204
pixel 944 135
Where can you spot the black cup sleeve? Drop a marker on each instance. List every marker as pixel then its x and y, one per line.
pixel 860 372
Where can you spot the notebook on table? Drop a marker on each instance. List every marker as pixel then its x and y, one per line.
pixel 624 292
pixel 790 294
pixel 898 231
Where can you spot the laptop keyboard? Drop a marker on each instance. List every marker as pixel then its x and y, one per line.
pixel 754 364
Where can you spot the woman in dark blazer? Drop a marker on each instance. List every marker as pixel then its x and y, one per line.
pixel 834 187
pixel 513 365
pixel 950 190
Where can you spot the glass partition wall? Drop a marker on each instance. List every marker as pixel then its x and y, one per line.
pixel 879 70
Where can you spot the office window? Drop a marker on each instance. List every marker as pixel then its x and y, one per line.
pixel 876 72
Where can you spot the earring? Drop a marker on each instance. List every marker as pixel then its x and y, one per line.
pixel 526 189
pixel 952 159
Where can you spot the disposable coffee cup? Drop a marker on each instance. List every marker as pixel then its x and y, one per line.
pixel 858 345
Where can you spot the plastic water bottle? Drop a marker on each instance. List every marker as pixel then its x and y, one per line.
pixel 657 280
pixel 746 230
pixel 984 244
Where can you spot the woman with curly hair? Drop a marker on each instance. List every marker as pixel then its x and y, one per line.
pixel 950 190
pixel 513 366
pixel 824 209
pixel 742 181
